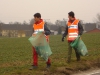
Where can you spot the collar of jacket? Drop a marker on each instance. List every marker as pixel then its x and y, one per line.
pixel 41 20
pixel 71 21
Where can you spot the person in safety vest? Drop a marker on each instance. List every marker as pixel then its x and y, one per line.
pixel 73 30
pixel 39 25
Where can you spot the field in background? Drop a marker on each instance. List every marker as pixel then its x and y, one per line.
pixel 16 56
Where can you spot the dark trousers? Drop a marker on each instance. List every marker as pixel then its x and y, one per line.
pixel 70 52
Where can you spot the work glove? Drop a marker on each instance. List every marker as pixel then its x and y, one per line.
pixel 63 39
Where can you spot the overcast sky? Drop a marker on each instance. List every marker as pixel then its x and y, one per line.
pixel 20 10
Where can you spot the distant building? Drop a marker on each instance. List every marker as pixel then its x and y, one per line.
pixel 16 30
pixel 54 32
pixel 96 28
pixel 94 31
pixel 53 29
pixel 89 26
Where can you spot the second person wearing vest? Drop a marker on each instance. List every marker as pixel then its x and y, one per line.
pixel 38 26
pixel 73 30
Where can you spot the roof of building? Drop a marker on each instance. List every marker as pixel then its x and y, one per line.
pixel 16 27
pixel 94 30
pixel 89 26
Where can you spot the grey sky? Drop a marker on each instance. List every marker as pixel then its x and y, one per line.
pixel 20 10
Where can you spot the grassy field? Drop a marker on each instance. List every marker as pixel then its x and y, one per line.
pixel 16 56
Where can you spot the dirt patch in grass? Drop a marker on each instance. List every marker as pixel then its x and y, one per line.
pixel 77 67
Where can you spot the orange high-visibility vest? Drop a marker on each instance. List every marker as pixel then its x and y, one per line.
pixel 72 30
pixel 39 28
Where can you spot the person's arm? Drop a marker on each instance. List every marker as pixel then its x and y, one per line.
pixel 46 29
pixel 80 28
pixel 65 33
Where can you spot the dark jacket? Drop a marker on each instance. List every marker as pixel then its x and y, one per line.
pixel 46 29
pixel 80 28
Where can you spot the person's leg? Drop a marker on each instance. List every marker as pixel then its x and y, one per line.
pixel 77 54
pixel 35 57
pixel 69 52
pixel 48 63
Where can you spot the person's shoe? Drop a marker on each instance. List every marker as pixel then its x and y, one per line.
pixel 48 65
pixel 33 67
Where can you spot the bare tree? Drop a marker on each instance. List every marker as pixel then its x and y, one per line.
pixel 11 23
pixel 0 29
pixel 1 23
pixel 61 22
pixel 17 23
pixel 59 30
pixel 58 22
pixel 31 22
pixel 25 23
pixel 98 17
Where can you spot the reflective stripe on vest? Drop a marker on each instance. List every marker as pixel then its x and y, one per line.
pixel 38 30
pixel 73 34
pixel 73 27
pixel 38 27
pixel 72 30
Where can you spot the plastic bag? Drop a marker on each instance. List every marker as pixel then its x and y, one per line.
pixel 38 39
pixel 41 45
pixel 80 46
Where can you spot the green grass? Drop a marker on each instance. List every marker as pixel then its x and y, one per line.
pixel 16 55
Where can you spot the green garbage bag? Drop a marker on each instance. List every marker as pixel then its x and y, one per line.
pixel 75 42
pixel 38 39
pixel 44 51
pixel 80 46
pixel 41 45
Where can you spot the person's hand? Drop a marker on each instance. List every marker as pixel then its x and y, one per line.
pixel 62 39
